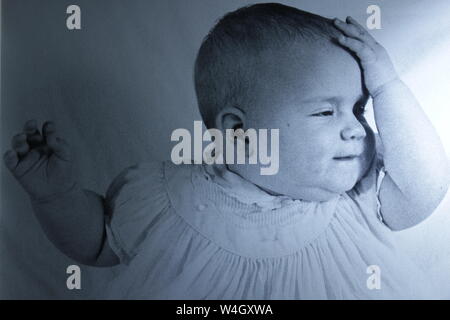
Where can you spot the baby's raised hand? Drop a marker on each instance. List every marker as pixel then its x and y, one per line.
pixel 40 162
pixel 377 66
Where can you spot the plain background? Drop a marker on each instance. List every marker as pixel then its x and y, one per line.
pixel 118 87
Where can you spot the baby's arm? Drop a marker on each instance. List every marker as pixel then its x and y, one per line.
pixel 72 218
pixel 417 168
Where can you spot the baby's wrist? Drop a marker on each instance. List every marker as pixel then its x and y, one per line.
pixel 73 188
pixel 385 87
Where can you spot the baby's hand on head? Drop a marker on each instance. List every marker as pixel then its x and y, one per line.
pixel 416 165
pixel 377 66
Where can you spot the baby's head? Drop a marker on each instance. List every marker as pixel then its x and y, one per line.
pixel 270 66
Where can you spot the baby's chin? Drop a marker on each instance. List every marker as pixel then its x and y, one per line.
pixel 321 189
pixel 331 190
pixel 339 183
pixel 347 183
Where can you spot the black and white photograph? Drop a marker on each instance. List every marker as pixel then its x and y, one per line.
pixel 225 150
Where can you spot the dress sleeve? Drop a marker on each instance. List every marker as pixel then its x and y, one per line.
pixel 134 200
pixel 380 172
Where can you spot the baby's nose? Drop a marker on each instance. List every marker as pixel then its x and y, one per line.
pixel 353 130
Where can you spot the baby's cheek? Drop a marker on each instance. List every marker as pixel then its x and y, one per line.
pixel 315 162
pixel 304 148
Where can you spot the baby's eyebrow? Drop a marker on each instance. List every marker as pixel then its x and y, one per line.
pixel 364 97
pixel 332 99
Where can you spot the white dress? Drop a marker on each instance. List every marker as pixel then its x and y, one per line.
pixel 186 232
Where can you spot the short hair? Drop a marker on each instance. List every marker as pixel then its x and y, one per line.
pixel 227 61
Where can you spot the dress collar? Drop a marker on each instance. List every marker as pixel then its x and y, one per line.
pixel 245 191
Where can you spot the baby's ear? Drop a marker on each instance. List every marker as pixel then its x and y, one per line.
pixel 230 118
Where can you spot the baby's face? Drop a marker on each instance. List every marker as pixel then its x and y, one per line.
pixel 314 96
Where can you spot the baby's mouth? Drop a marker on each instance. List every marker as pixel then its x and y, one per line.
pixel 346 158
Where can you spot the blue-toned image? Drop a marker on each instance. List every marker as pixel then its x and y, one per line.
pixel 232 150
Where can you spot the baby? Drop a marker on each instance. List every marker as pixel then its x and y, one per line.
pixel 317 229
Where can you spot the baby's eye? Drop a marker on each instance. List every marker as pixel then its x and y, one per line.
pixel 360 110
pixel 323 113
